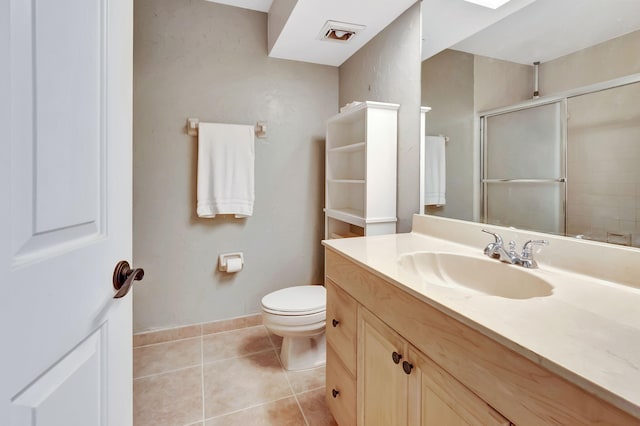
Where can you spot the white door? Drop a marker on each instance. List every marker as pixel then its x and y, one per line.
pixel 65 216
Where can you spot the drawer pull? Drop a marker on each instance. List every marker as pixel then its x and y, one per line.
pixel 335 323
pixel 407 367
pixel 335 393
pixel 396 357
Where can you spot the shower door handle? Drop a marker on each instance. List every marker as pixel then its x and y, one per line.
pixel 124 276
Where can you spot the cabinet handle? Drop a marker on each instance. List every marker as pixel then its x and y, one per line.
pixel 335 323
pixel 407 367
pixel 396 357
pixel 335 393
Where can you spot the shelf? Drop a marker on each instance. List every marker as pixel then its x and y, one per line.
pixel 359 181
pixel 354 113
pixel 345 235
pixel 352 216
pixel 349 148
pixel 360 139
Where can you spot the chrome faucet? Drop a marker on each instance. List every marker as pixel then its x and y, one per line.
pixel 526 259
pixel 496 250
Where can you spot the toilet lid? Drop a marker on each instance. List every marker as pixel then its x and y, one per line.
pixel 304 299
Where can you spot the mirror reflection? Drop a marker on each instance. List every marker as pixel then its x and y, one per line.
pixel 553 147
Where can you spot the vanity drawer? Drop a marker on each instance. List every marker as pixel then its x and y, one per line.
pixel 341 325
pixel 340 390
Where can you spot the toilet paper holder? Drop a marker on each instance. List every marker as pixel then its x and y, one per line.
pixel 225 257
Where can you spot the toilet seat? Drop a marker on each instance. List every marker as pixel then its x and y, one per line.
pixel 296 301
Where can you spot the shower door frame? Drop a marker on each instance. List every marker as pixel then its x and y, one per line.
pixel 562 97
pixel 524 181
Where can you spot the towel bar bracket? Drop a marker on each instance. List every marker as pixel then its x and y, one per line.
pixel 192 126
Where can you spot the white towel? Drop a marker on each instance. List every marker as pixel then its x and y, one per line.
pixel 226 155
pixel 435 173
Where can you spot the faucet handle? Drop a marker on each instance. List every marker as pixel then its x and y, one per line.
pixel 528 247
pixel 498 238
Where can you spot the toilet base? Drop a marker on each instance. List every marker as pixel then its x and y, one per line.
pixel 300 353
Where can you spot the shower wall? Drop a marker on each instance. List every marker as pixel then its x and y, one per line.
pixel 603 155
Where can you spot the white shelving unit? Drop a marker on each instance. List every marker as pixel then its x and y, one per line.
pixel 361 171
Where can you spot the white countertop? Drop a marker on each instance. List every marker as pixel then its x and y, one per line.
pixel 587 331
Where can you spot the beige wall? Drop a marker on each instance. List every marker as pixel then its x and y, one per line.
pixel 387 69
pixel 612 59
pixel 500 83
pixel 206 60
pixel 448 89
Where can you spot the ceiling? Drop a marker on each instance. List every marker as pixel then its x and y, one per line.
pixel 521 31
pixel 259 5
pixel 299 24
pixel 447 22
pixel 549 29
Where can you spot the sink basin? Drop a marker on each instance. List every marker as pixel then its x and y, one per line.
pixel 486 276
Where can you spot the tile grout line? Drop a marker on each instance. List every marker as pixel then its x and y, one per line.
pixel 146 376
pixel 202 375
pixel 167 341
pixel 304 417
pixel 198 324
pixel 310 390
pixel 240 410
pixel 201 334
pixel 248 354
pixel 175 370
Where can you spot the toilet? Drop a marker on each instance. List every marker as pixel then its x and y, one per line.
pixel 298 315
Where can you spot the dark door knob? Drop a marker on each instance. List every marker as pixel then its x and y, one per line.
pixel 335 393
pixel 407 367
pixel 124 276
pixel 396 357
pixel 335 322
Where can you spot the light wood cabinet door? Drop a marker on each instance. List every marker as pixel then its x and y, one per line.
pixel 341 325
pixel 382 384
pixel 437 398
pixel 340 392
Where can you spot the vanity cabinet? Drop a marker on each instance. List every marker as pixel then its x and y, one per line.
pixel 439 399
pixel 341 354
pixel 382 384
pixel 361 171
pixel 457 375
pixel 399 385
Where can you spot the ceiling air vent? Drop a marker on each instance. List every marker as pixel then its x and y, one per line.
pixel 339 31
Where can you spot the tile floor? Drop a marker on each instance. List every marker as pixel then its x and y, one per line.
pixel 225 378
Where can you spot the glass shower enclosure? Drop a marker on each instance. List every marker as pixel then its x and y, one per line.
pixel 523 181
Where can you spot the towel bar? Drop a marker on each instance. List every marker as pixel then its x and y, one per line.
pixel 446 138
pixel 194 123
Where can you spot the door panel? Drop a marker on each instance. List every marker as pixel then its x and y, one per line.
pixel 67 139
pixel 524 173
pixel 382 385
pixel 536 206
pixel 58 158
pixel 65 117
pixel 53 396
pixel 525 144
pixel 441 400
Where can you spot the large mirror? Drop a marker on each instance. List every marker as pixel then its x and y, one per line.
pixel 552 147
